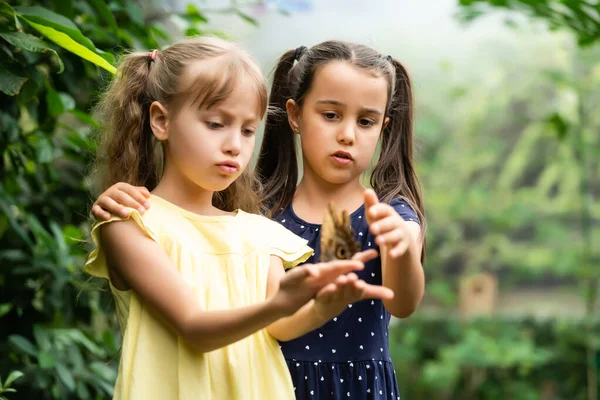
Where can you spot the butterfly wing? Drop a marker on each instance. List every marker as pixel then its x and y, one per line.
pixel 337 237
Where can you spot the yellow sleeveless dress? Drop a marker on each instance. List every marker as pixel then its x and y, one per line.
pixel 225 260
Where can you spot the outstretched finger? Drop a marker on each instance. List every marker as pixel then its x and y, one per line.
pixel 376 292
pixel 329 271
pixel 365 256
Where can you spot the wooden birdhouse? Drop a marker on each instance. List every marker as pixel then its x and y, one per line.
pixel 478 294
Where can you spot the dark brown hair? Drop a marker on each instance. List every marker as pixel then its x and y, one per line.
pixel 394 174
pixel 128 150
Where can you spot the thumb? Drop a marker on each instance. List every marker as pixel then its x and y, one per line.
pixel 370 198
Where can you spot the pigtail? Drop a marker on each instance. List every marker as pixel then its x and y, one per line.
pixel 277 166
pixel 394 174
pixel 128 150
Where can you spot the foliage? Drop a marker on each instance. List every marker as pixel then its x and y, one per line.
pixel 521 359
pixel 6 386
pixel 582 17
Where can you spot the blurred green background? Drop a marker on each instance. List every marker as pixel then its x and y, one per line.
pixel 508 130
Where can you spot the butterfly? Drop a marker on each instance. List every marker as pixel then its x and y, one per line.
pixel 337 236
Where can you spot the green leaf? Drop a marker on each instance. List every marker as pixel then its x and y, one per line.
pixel 54 103
pixel 102 10
pixel 191 32
pixel 9 12
pixel 10 83
pixel 559 125
pixel 5 309
pixel 62 7
pixel 44 151
pixel 65 376
pixel 195 15
pixel 79 337
pixel 23 344
pixel 42 16
pixel 104 371
pixel 246 17
pixel 67 101
pixel 107 56
pixel 42 338
pixel 85 118
pixel 13 377
pixel 82 391
pixel 25 41
pixel 46 360
pixel 31 43
pixel 71 232
pixel 71 45
pixel 13 255
pixel 135 12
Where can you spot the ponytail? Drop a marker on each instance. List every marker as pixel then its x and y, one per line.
pixel 277 166
pixel 394 174
pixel 129 152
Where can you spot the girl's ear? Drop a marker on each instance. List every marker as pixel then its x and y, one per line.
pixel 159 121
pixel 293 113
pixel 386 121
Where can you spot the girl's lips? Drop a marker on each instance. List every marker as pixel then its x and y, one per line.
pixel 342 158
pixel 229 167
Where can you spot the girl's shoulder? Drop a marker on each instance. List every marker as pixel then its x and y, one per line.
pixel 404 209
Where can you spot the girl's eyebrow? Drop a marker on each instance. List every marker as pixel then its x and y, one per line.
pixel 230 115
pixel 339 103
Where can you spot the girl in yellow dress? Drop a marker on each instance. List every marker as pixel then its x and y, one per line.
pixel 199 284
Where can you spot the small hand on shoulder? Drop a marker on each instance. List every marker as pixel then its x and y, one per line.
pixel 116 199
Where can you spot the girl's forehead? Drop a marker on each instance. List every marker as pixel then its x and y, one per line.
pixel 344 82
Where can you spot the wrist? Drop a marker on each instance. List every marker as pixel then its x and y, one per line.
pixel 322 312
pixel 276 308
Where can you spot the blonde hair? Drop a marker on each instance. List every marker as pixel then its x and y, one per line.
pixel 128 150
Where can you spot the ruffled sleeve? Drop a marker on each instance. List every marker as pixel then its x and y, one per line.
pixel 96 262
pixel 291 248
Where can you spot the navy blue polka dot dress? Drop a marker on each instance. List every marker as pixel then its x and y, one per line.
pixel 348 357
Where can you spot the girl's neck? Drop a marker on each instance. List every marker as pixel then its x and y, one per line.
pixel 177 189
pixel 313 194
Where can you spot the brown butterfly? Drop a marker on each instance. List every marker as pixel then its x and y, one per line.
pixel 337 236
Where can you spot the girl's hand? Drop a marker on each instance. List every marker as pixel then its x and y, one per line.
pixel 301 284
pixel 390 230
pixel 116 198
pixel 348 289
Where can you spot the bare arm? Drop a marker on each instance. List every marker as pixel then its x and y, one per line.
pixel 303 321
pixel 400 244
pixel 404 275
pixel 162 288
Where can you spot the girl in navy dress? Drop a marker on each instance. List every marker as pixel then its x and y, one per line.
pixel 343 101
pixel 346 103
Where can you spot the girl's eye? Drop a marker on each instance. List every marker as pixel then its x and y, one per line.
pixel 249 132
pixel 213 125
pixel 330 115
pixel 366 122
